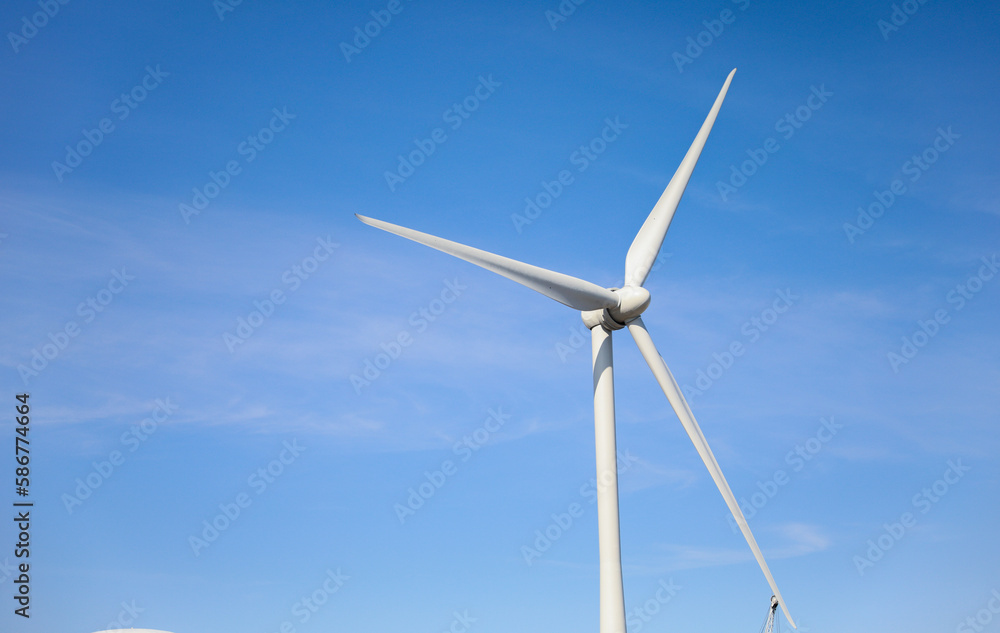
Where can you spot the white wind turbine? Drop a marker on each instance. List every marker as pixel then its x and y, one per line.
pixel 605 310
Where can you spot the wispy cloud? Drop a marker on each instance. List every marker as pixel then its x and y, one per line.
pixel 800 539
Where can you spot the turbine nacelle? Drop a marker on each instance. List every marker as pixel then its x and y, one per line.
pixel 632 301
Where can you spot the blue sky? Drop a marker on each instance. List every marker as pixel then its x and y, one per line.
pixel 188 357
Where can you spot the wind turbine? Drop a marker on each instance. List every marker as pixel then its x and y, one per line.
pixel 605 310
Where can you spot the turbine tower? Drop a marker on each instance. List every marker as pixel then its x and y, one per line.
pixel 605 310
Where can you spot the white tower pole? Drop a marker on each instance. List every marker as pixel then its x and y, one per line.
pixel 612 596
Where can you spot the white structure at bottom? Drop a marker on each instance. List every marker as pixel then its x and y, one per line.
pixel 132 631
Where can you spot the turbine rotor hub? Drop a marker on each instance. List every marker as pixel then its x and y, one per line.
pixel 632 301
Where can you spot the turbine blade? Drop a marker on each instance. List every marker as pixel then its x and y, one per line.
pixel 570 291
pixel 646 245
pixel 680 406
